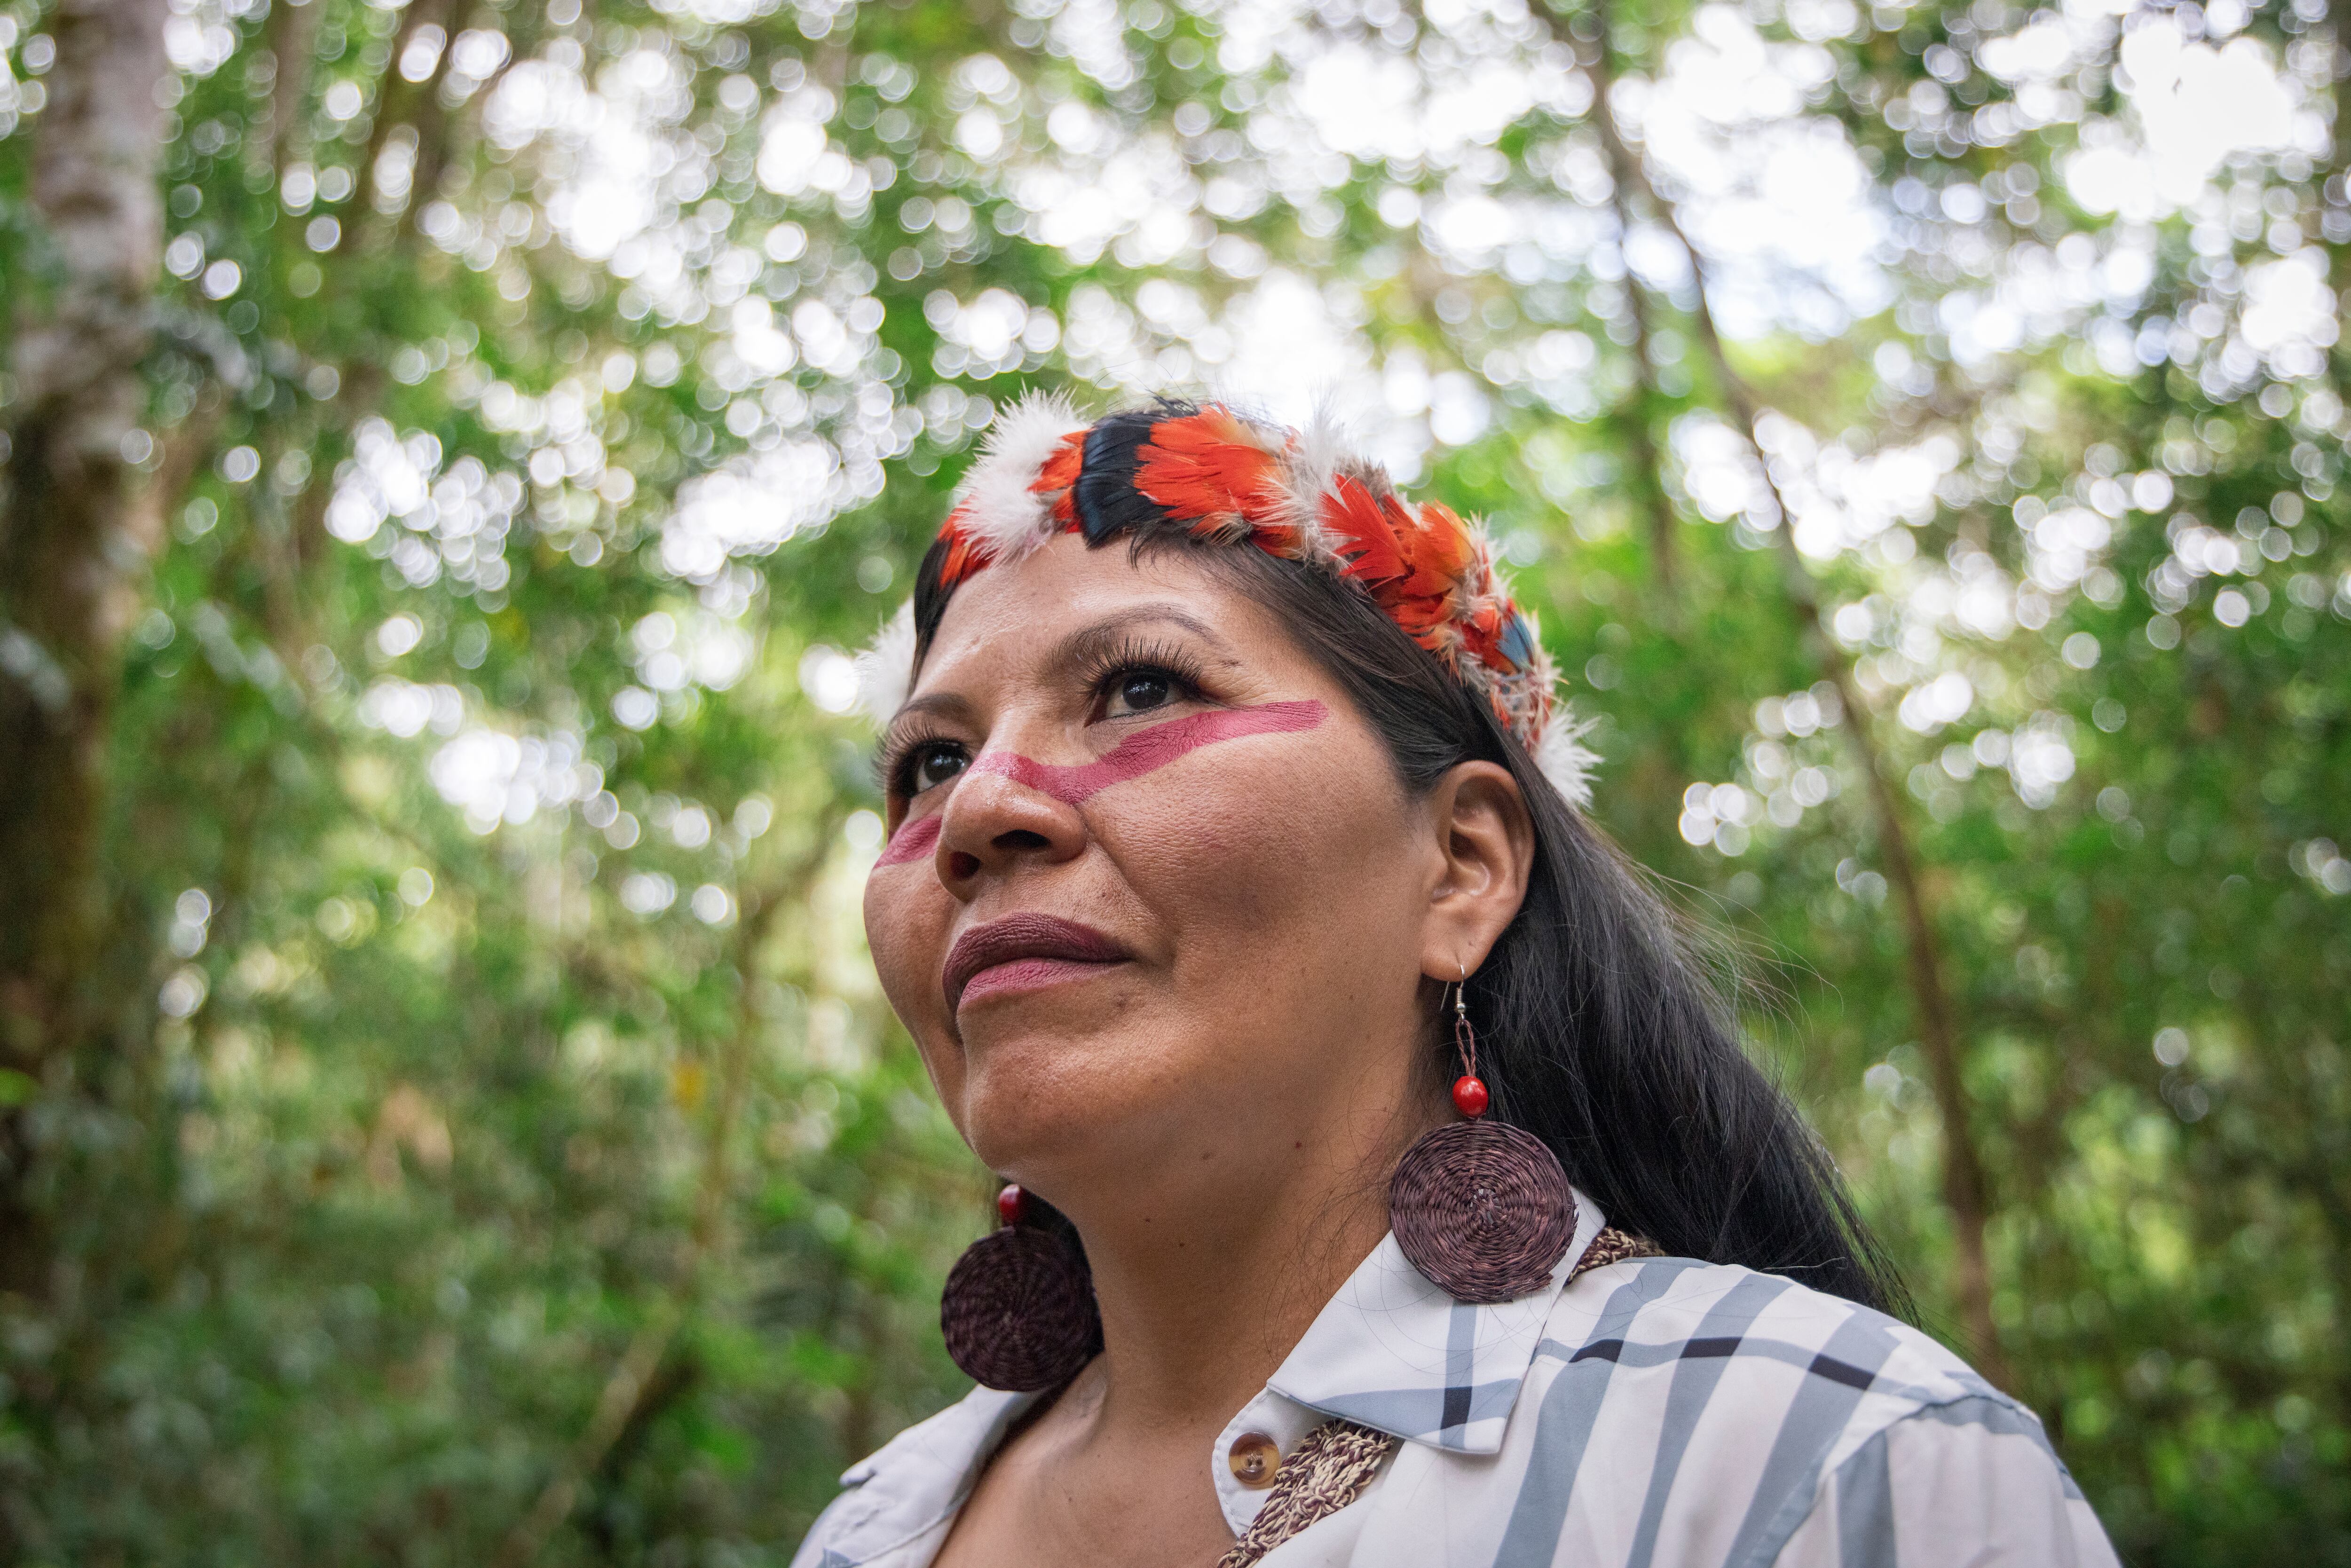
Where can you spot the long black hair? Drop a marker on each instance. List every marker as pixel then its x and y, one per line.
pixel 1600 1028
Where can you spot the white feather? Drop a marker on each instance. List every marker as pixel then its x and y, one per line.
pixel 1314 466
pixel 886 670
pixel 1001 513
pixel 1565 760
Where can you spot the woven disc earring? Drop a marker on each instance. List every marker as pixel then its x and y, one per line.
pixel 1018 1310
pixel 1481 1207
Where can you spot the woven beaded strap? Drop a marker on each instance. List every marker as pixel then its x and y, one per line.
pixel 1333 1464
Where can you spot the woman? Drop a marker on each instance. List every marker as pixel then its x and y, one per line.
pixel 1390 1188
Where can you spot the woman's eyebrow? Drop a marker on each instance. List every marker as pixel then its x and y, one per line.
pixel 1085 643
pixel 1092 642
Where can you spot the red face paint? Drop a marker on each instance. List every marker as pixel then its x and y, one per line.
pixel 912 841
pixel 1145 751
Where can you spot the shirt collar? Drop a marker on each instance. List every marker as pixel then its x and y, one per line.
pixel 917 1481
pixel 1390 1350
pixel 1393 1350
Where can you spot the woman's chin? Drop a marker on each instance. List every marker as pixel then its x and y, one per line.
pixel 1038 1140
pixel 1047 1128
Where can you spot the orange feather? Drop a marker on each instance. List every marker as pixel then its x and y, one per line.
pixel 963 557
pixel 1365 542
pixel 1059 477
pixel 1412 565
pixel 1206 470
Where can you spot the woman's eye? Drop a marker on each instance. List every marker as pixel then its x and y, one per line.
pixel 933 766
pixel 1140 691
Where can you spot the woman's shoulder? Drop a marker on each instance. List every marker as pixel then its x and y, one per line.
pixel 895 1500
pixel 1653 1312
pixel 1766 1413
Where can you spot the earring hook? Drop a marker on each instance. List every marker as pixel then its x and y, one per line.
pixel 1464 1038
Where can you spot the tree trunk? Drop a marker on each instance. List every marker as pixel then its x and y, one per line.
pixel 1641 404
pixel 76 529
pixel 1966 1189
pixel 293 48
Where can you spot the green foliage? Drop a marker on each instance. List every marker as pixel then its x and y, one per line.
pixel 544 399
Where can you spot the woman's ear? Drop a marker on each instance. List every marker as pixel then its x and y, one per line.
pixel 1486 847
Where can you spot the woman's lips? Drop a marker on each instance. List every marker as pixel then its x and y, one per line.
pixel 1021 953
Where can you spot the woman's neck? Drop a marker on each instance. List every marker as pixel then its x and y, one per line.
pixel 1207 1278
pixel 1195 1319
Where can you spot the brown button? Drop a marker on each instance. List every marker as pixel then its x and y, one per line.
pixel 1255 1460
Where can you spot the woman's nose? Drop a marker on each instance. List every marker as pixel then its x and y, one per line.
pixel 993 822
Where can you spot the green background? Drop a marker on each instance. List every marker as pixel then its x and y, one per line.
pixel 397 1186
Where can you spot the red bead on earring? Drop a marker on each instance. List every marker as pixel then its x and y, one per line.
pixel 1482 1208
pixel 1469 1096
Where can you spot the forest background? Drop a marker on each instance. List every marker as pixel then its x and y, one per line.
pixel 452 446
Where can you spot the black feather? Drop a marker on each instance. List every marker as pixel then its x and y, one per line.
pixel 1105 498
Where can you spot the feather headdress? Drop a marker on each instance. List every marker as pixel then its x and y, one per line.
pixel 1298 495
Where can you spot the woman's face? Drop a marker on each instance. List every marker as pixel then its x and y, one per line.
pixel 1156 905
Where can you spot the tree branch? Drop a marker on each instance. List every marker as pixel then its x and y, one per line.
pixel 1965 1188
pixel 399 102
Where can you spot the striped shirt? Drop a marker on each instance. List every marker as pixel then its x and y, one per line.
pixel 1653 1413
